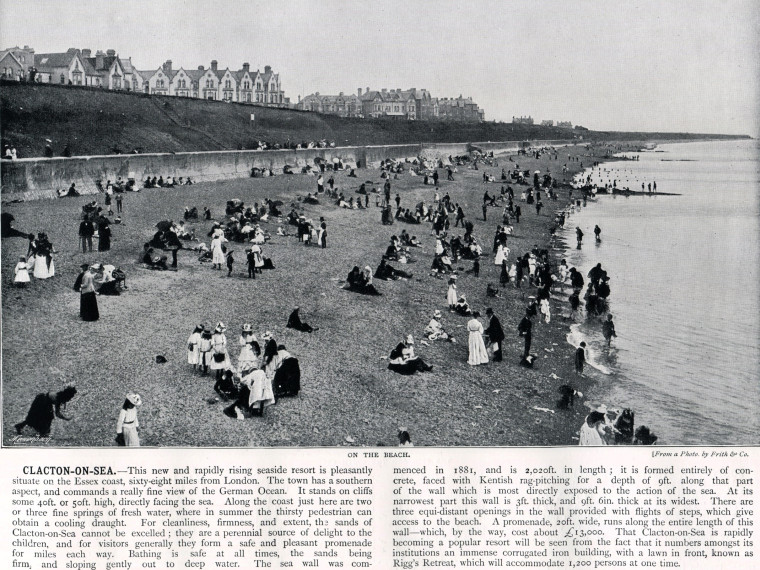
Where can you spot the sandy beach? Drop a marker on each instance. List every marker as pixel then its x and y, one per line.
pixel 348 396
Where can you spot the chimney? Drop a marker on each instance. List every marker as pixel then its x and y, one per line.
pixel 200 68
pixel 385 90
pixel 246 67
pixel 267 69
pixel 111 52
pixel 299 98
pixel 359 91
pixel 340 94
pixel 213 64
pixel 167 66
pixel 86 52
pixel 99 57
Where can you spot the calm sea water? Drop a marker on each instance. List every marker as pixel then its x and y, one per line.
pixel 685 291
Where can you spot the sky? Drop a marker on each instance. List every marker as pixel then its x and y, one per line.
pixel 667 65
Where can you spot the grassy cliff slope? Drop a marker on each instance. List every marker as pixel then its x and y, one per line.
pixel 95 122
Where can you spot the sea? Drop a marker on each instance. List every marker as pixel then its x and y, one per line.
pixel 685 291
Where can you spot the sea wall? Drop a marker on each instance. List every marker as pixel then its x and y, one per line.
pixel 38 178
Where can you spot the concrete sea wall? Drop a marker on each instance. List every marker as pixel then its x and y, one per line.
pixel 38 178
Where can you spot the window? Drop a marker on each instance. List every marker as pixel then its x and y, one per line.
pixel 209 83
pixel 63 78
pixel 228 84
pixel 248 97
pixel 246 85
pixel 258 86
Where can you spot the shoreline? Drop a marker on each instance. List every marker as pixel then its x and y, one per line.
pixel 347 391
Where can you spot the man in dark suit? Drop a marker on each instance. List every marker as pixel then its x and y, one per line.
pixel 86 231
pixel 495 334
pixel 525 328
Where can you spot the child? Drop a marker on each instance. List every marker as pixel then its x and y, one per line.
pixel 193 347
pixel 608 329
pixel 575 302
pixel 204 349
pixel 251 263
pixel 230 262
pixel 580 358
pixel 451 296
pixel 21 272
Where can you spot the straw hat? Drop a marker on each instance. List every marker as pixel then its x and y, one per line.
pixel 134 399
pixel 437 314
pixel 247 328
pixel 220 327
pixel 409 339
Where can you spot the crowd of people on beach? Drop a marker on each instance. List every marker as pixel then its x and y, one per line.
pixel 265 370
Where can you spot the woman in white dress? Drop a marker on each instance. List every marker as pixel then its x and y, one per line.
pixel 258 259
pixel 43 269
pixel 478 352
pixel 451 295
pixel 501 255
pixel 21 273
pixel 220 359
pixel 249 349
pixel 194 347
pixel 127 423
pixel 217 254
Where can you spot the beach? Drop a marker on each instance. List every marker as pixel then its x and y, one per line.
pixel 348 396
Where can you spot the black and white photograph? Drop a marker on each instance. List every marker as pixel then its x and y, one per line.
pixel 378 224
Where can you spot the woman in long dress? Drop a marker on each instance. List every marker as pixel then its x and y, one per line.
pixel 104 237
pixel 127 424
pixel 501 254
pixel 258 259
pixel 504 277
pixel 220 360
pixel 451 295
pixel 44 266
pixel 249 349
pixel 478 353
pixel 217 255
pixel 88 303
